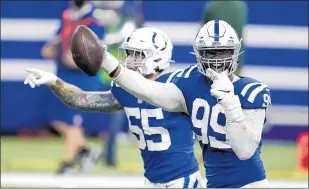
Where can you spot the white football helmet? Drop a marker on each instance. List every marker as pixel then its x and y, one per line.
pixel 146 50
pixel 217 46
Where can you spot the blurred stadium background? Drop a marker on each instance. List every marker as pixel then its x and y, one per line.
pixel 276 39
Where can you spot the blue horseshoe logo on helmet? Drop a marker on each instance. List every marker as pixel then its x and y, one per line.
pixel 154 44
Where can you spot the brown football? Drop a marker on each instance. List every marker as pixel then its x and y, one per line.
pixel 87 50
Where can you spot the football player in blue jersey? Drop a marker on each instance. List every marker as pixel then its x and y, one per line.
pixel 165 139
pixel 227 111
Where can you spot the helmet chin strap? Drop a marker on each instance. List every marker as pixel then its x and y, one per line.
pixel 152 76
pixel 140 71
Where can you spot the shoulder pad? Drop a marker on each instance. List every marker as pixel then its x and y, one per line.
pixel 186 73
pixel 172 75
pixel 252 93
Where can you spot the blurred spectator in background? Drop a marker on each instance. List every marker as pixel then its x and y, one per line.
pixel 120 19
pixel 67 121
pixel 234 13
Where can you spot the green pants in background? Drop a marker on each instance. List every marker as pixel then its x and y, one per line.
pixel 233 12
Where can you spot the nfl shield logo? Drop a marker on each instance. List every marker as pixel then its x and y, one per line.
pixel 139 101
pixel 216 43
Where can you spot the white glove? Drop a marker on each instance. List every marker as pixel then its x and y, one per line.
pixel 223 89
pixel 38 77
pixel 222 85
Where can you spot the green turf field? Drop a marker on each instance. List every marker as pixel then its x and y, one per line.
pixel 19 154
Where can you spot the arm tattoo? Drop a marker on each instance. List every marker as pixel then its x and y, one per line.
pixel 85 101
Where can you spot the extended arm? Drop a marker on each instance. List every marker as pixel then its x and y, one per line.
pixel 165 95
pixel 83 100
pixel 72 95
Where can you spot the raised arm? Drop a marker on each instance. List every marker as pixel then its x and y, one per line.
pixel 244 120
pixel 165 95
pixel 72 95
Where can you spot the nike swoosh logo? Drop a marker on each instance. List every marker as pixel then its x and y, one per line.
pixel 225 91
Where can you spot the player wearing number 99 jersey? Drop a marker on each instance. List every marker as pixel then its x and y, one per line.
pixel 229 161
pixel 227 111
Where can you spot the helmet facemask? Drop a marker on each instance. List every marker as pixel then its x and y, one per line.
pixel 220 59
pixel 134 59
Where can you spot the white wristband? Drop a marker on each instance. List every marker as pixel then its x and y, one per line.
pixel 110 63
pixel 232 108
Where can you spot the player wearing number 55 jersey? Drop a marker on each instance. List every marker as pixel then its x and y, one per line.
pixel 227 111
pixel 165 139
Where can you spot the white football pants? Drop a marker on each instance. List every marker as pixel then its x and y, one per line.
pixel 258 184
pixel 191 181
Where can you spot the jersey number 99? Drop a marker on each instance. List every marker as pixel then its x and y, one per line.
pixel 209 118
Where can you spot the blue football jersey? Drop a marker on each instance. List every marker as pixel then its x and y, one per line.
pixel 223 168
pixel 166 140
